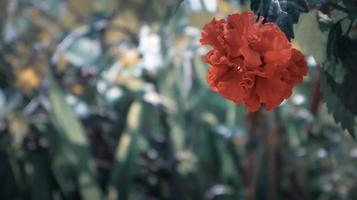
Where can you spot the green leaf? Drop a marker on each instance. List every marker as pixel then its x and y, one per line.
pixel 64 118
pixel 336 106
pixel 127 152
pixel 39 174
pixel 73 158
pixel 284 13
pixel 333 64
pixel 341 65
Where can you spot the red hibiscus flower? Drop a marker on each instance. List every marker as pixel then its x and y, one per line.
pixel 251 62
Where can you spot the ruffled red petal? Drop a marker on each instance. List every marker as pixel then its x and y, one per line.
pixel 251 62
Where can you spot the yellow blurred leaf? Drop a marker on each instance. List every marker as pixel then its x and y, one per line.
pixel 106 6
pixel 17 125
pixel 133 84
pixel 62 63
pixel 69 19
pixel 83 8
pixel 123 146
pixel 224 6
pixel 121 21
pixel 129 58
pixel 26 79
pixel 77 89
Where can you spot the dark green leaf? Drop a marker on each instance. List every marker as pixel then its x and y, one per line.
pixel 336 106
pixel 284 13
pixel 341 65
pixel 40 175
pixel 11 186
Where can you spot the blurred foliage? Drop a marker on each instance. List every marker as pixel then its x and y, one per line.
pixel 107 99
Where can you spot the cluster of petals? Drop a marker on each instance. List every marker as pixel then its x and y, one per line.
pixel 251 62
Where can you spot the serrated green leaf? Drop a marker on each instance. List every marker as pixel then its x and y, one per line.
pixel 341 65
pixel 336 107
pixel 334 49
pixel 334 36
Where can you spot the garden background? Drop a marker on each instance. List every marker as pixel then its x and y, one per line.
pixel 107 99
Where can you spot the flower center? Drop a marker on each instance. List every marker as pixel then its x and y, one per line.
pixel 237 68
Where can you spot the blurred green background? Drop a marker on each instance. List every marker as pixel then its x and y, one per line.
pixel 107 99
